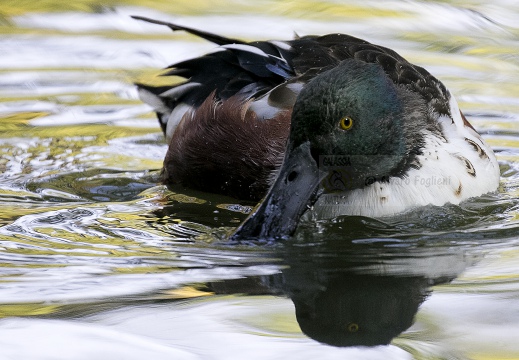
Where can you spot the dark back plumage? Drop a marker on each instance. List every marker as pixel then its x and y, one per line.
pixel 252 69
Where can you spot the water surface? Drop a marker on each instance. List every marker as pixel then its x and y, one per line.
pixel 98 261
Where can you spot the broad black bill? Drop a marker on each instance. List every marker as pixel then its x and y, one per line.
pixel 295 190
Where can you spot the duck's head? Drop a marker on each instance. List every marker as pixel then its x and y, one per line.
pixel 349 124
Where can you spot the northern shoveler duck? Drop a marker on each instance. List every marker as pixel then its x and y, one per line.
pixel 330 123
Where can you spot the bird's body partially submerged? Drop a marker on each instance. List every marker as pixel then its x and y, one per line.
pixel 332 120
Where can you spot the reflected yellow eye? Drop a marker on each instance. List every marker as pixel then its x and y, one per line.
pixel 346 123
pixel 352 327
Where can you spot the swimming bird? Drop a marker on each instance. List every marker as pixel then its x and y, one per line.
pixel 329 125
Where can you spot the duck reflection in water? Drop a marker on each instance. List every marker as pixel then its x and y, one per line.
pixel 351 309
pixel 354 299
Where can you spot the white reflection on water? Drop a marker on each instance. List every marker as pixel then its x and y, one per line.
pixel 70 240
pixel 51 339
pixel 93 114
pixel 27 83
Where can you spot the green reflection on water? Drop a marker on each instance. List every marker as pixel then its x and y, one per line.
pixel 294 8
pixel 66 169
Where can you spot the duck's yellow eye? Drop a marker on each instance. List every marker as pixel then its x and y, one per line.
pixel 346 123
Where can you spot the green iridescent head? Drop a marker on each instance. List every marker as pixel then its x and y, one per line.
pixel 355 110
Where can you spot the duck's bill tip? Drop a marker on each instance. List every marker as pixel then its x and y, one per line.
pixel 295 189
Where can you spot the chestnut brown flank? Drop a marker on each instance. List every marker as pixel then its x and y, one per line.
pixel 222 147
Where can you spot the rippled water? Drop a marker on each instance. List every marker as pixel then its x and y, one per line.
pixel 98 261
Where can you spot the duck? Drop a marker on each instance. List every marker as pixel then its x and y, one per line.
pixel 330 125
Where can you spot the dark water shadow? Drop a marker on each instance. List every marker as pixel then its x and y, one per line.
pixel 98 185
